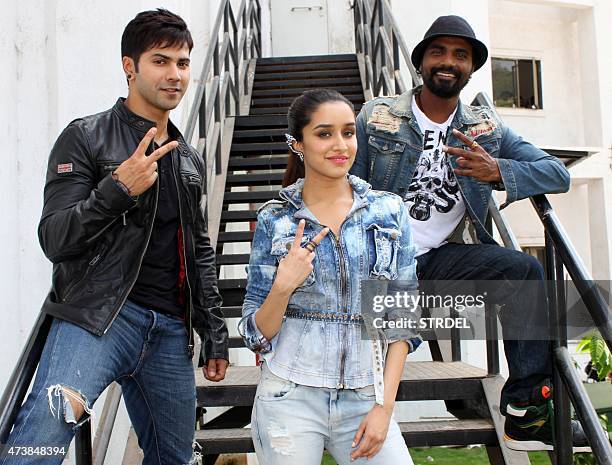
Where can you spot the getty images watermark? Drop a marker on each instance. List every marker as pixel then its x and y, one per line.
pixel 408 303
pixel 471 310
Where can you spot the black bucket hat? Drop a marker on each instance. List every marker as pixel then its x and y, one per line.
pixel 451 26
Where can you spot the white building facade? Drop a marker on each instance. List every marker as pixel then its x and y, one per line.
pixel 64 62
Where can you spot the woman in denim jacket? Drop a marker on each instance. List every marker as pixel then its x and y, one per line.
pixel 322 384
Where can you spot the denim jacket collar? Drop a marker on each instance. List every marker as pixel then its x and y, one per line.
pixel 403 107
pixel 293 195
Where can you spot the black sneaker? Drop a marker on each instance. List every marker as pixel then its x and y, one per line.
pixel 531 427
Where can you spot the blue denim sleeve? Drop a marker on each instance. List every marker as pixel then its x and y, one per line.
pixel 526 170
pixel 406 281
pixel 360 167
pixel 261 272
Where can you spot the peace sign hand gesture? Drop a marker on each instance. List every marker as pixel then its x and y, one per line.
pixel 139 172
pixel 474 162
pixel 297 264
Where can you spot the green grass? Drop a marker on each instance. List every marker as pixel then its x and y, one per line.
pixel 454 456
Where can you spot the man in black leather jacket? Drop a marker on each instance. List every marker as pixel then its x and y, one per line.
pixel 134 272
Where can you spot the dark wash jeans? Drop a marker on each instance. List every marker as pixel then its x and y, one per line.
pixel 524 311
pixel 146 353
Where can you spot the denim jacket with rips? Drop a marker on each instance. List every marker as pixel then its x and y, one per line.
pixel 390 144
pixel 374 243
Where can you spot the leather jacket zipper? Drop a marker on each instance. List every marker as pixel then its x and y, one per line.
pixel 90 267
pixel 190 343
pixel 144 251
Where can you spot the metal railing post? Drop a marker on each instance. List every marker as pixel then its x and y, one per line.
pixel 492 342
pixel 82 444
pixel 598 438
pixel 259 28
pixel 396 63
pixel 562 427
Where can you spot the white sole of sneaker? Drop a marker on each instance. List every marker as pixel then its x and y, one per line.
pixel 531 446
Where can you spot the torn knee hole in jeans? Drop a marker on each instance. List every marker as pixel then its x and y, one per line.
pixel 69 402
pixel 280 440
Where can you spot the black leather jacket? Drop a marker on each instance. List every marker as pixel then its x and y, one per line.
pixel 96 234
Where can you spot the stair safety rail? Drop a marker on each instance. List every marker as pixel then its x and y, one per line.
pixel 235 41
pixel 379 40
pixel 561 256
pixel 380 46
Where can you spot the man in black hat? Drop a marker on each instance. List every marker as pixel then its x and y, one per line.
pixel 444 158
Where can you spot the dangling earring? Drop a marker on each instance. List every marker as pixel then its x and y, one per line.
pixel 290 141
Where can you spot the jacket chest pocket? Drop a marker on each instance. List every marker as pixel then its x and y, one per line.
pixel 385 155
pixel 193 194
pixel 105 167
pixel 280 248
pixel 384 246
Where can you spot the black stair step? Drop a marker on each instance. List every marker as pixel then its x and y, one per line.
pixel 282 110
pixel 307 59
pixel 233 258
pixel 269 111
pixel 238 215
pixel 420 381
pixel 303 75
pixel 234 311
pixel 416 434
pixel 232 291
pixel 224 284
pixel 286 101
pixel 321 82
pixel 235 342
pixel 235 236
pixel 268 162
pixel 259 122
pixel 250 196
pixel 243 134
pixel 261 147
pixel 294 92
pixel 287 68
pixel 254 179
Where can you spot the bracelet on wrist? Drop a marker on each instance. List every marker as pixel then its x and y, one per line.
pixel 123 187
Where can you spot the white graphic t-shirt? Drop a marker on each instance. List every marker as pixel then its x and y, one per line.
pixel 433 198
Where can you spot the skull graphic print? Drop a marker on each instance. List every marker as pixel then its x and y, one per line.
pixel 433 198
pixel 433 186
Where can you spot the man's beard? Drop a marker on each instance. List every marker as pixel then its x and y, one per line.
pixel 445 89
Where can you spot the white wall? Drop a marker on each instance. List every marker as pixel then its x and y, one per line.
pixel 548 34
pixel 340 26
pixel 9 201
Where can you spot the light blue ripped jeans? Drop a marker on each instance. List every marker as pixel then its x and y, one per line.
pixel 293 423
pixel 146 353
